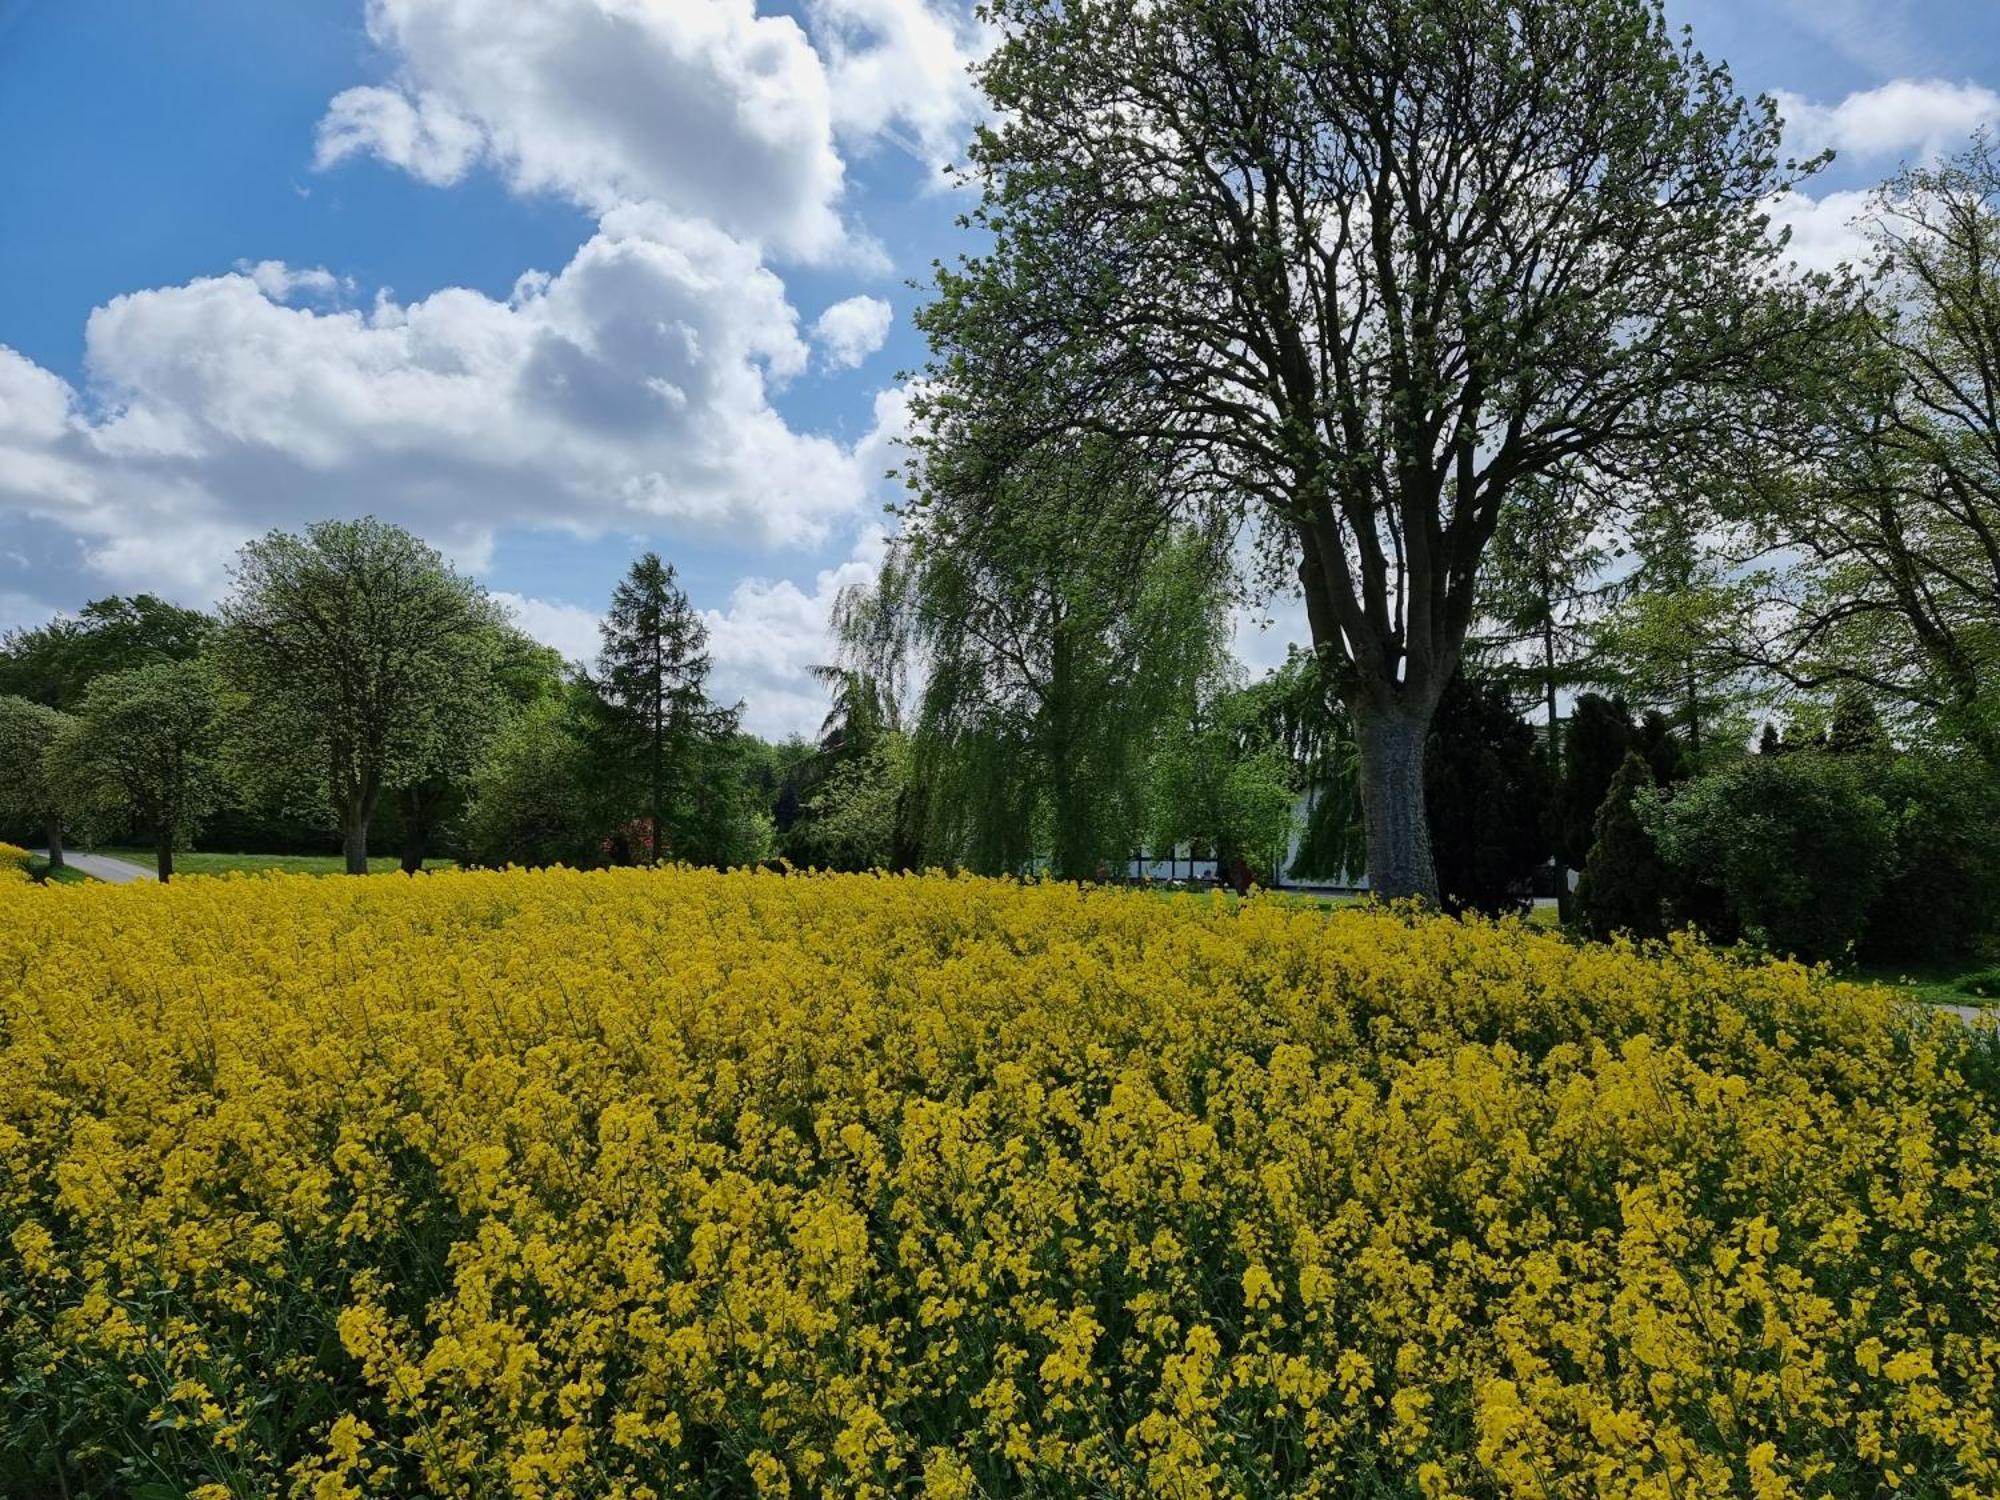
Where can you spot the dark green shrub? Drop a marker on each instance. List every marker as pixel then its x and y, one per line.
pixel 1485 786
pixel 1626 886
pixel 1800 845
pixel 1941 884
pixel 1594 743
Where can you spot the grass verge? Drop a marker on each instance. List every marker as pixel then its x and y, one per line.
pixel 190 862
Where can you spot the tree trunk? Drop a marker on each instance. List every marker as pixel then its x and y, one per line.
pixel 163 854
pixel 52 832
pixel 1555 749
pixel 1391 741
pixel 354 834
pixel 419 813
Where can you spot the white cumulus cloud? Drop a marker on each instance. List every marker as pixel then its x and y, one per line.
pixel 762 644
pixel 702 105
pixel 570 628
pixel 851 330
pixel 1906 117
pixel 630 390
pixel 765 643
pixel 1826 232
pixel 898 70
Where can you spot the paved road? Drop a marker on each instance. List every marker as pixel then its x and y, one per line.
pixel 102 867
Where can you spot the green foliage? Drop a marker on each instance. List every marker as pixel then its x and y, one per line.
pixel 1855 728
pixel 1799 844
pixel 1595 743
pixel 851 816
pixel 536 798
pixel 362 663
pixel 655 725
pixel 1225 784
pixel 1485 791
pixel 1666 756
pixel 1626 885
pixel 53 664
pixel 1543 592
pixel 1064 622
pixel 1671 641
pixel 30 801
pixel 141 754
pixel 1940 892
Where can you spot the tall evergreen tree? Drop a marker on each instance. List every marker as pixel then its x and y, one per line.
pixel 1626 884
pixel 1665 753
pixel 1855 729
pixel 1600 734
pixel 1485 790
pixel 651 684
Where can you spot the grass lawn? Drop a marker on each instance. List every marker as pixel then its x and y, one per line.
pixel 187 862
pixel 38 869
pixel 1959 982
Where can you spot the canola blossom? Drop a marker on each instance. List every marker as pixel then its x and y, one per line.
pixel 13 863
pixel 639 1183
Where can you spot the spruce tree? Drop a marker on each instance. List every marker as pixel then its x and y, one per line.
pixel 1856 728
pixel 1665 753
pixel 652 674
pixel 1599 735
pixel 1626 884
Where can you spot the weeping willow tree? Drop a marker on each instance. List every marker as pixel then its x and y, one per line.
pixel 1302 712
pixel 1060 618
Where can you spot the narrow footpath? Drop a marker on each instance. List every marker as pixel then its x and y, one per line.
pixel 102 867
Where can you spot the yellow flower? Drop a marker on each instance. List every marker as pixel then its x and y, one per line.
pixel 639 1183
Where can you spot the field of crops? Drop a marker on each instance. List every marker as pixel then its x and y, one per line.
pixel 631 1183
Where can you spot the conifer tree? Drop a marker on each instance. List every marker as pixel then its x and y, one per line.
pixel 652 674
pixel 1626 884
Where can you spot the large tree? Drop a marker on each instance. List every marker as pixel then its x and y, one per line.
pixel 29 794
pixel 141 755
pixel 1675 636
pixel 656 720
pixel 1368 267
pixel 1062 617
pixel 1486 788
pixel 363 662
pixel 54 663
pixel 1898 513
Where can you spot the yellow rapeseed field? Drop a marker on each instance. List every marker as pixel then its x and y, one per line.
pixel 13 863
pixel 680 1183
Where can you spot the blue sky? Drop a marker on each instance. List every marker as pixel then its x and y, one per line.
pixel 233 231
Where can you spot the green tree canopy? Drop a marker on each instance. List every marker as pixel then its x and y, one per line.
pixel 1799 843
pixel 363 663
pixel 1062 619
pixel 1896 511
pixel 656 727
pixel 1224 783
pixel 1486 790
pixel 141 755
pixel 54 663
pixel 1367 269
pixel 30 796
pixel 1626 886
